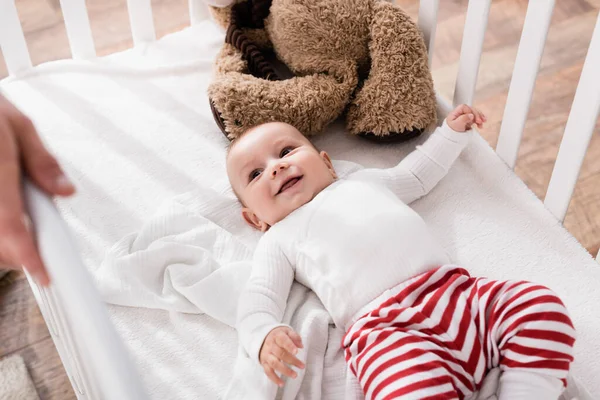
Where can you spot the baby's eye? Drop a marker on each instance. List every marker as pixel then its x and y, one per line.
pixel 286 151
pixel 254 174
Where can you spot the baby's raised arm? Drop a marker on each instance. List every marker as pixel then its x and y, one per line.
pixel 260 312
pixel 422 169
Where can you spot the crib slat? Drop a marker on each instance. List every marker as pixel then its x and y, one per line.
pixel 428 10
pixel 141 20
pixel 78 28
pixel 470 51
pixel 527 64
pixel 102 349
pixel 12 40
pixel 198 11
pixel 578 132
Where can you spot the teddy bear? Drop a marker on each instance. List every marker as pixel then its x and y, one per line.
pixel 308 62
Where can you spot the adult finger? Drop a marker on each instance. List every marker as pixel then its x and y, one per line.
pixel 21 251
pixel 10 176
pixel 17 247
pixel 11 205
pixel 41 166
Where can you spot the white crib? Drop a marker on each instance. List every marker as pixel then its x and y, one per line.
pixel 93 354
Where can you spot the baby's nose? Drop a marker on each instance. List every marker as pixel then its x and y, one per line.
pixel 278 169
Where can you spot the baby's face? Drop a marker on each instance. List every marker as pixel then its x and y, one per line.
pixel 274 170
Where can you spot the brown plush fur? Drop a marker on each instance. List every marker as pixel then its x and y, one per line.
pixel 221 16
pixel 260 38
pixel 398 95
pixel 308 102
pixel 327 43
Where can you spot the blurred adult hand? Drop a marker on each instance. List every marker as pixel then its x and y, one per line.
pixel 22 152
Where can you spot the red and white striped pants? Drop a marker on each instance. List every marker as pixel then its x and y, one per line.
pixel 438 334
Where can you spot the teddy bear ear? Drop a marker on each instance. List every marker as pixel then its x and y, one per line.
pixel 218 118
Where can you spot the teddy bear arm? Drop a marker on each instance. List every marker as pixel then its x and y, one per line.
pixel 309 103
pixel 397 98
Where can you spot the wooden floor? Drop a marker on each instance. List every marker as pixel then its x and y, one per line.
pixel 22 329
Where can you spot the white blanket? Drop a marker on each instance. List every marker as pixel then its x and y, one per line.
pixel 194 256
pixel 134 131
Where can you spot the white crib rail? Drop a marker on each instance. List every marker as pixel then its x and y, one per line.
pixel 141 20
pixel 79 33
pixel 520 92
pixel 77 24
pixel 578 131
pixel 12 40
pixel 585 106
pixel 470 51
pixel 428 11
pixel 87 329
pixel 198 11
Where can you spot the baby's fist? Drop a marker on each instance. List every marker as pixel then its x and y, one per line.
pixel 463 117
pixel 278 351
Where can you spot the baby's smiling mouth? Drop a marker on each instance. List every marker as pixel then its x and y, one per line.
pixel 290 182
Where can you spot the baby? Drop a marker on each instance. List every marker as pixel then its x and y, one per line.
pixel 416 326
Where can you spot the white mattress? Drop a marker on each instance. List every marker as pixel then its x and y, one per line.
pixel 134 129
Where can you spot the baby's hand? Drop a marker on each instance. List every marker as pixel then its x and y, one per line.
pixel 463 116
pixel 280 346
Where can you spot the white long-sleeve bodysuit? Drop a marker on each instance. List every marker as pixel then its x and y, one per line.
pixel 416 326
pixel 354 240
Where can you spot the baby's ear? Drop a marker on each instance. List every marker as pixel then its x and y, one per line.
pixel 253 220
pixel 328 162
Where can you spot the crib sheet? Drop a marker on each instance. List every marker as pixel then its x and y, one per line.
pixel 135 129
